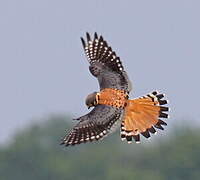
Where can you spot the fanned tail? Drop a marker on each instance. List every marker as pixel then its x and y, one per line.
pixel 142 115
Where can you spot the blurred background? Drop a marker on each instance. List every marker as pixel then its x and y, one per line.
pixel 44 81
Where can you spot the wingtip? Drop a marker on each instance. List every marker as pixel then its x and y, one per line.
pixel 88 36
pixel 95 35
pixel 101 38
pixel 83 42
pixel 62 142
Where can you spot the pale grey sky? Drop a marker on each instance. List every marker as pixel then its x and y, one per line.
pixel 43 69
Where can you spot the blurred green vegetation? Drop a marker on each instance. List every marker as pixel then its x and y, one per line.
pixel 35 153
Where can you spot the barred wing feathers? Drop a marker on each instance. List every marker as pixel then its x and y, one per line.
pixel 95 125
pixel 105 64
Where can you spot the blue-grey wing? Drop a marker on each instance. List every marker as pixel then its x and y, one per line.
pixel 105 64
pixel 95 125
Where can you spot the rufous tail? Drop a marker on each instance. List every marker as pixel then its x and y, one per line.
pixel 142 115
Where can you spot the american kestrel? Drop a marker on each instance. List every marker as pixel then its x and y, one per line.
pixel 112 106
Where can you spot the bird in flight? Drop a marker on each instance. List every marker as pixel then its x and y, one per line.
pixel 112 107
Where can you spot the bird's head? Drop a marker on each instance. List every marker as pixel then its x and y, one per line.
pixel 91 100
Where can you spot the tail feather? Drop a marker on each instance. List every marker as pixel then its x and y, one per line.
pixel 142 115
pixel 152 130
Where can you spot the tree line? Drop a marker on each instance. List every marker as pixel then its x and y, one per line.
pixel 35 153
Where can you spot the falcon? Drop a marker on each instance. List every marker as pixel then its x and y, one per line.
pixel 112 107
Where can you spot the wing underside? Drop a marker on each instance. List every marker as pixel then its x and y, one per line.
pixel 95 125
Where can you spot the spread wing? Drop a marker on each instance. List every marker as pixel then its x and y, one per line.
pixel 105 64
pixel 95 125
